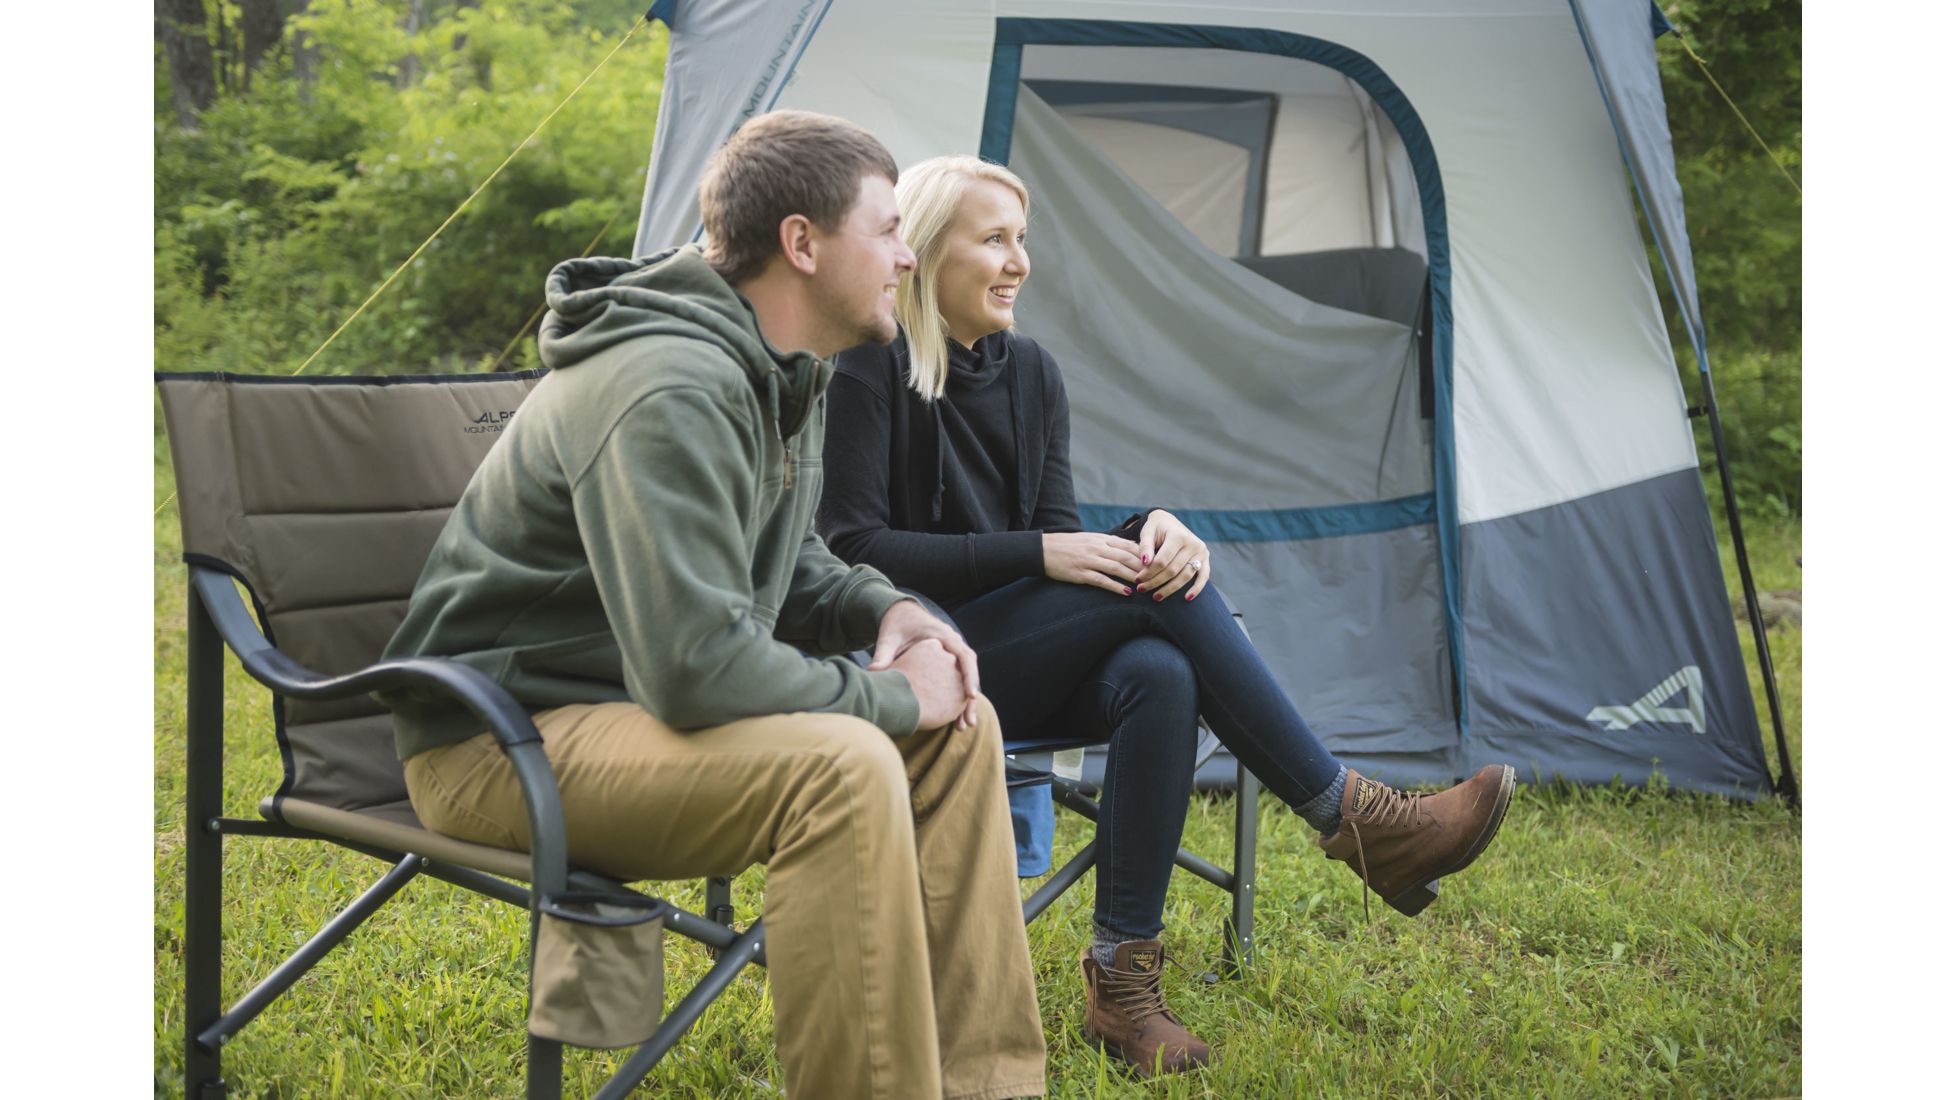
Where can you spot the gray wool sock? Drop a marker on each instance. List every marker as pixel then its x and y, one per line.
pixel 1104 943
pixel 1322 810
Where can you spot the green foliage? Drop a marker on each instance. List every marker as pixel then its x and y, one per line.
pixel 1759 407
pixel 1744 220
pixel 1744 215
pixel 287 206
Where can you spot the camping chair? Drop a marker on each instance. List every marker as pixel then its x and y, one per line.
pixel 323 497
pixel 1078 797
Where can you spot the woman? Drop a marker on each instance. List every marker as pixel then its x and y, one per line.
pixel 946 467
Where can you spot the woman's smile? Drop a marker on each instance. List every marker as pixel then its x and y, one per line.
pixel 984 263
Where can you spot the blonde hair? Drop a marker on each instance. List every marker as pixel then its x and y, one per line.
pixel 928 194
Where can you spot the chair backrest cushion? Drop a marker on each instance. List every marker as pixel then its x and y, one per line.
pixel 324 496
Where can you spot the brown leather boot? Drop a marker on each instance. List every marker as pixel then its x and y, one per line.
pixel 1401 844
pixel 1127 1017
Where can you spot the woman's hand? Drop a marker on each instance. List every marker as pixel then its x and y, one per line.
pixel 1174 557
pixel 1084 557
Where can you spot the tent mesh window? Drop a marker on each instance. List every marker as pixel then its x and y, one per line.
pixel 1303 180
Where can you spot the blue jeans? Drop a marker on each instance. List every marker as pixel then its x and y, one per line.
pixel 1066 660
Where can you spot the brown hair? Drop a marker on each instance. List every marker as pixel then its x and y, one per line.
pixel 776 165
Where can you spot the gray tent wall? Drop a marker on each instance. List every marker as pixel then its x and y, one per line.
pixel 1608 678
pixel 1588 638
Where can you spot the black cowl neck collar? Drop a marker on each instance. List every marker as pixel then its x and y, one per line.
pixel 975 367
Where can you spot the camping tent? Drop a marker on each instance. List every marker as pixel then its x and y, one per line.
pixel 1359 292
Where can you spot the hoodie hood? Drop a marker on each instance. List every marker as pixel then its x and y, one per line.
pixel 596 303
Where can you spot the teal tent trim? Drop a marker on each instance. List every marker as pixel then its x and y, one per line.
pixel 1660 24
pixel 1280 524
pixel 995 144
pixel 1001 98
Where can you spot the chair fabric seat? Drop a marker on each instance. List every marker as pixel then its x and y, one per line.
pixel 395 828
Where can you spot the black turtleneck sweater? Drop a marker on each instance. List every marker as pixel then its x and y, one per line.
pixel 947 497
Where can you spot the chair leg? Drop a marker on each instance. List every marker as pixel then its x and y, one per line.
pixel 719 900
pixel 750 947
pixel 203 912
pixel 544 1061
pixel 1239 926
pixel 718 905
pixel 546 1070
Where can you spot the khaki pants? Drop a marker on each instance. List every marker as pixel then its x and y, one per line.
pixel 896 953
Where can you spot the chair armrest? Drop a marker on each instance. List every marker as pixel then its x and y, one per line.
pixel 501 714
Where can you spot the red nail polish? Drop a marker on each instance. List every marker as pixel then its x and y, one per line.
pixel 1190 596
pixel 1144 559
pixel 1157 597
pixel 1125 591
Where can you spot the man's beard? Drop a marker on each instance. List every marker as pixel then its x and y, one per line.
pixel 881 329
pixel 862 324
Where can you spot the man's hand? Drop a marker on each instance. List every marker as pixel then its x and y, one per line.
pixel 906 625
pixel 938 683
pixel 1174 557
pixel 1082 557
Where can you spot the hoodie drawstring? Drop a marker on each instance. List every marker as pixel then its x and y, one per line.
pixel 787 448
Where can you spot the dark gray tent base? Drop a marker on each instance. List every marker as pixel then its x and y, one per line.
pixel 1633 670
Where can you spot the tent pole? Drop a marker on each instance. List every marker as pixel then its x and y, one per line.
pixel 1788 785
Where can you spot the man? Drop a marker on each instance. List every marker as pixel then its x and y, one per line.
pixel 635 561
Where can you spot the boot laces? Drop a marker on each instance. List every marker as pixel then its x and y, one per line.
pixel 1138 992
pixel 1392 807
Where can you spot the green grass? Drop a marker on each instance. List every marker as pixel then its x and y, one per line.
pixel 1621 941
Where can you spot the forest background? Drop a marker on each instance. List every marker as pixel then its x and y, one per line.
pixel 1628 941
pixel 304 148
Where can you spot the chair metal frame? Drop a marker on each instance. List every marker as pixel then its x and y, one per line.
pixel 218 619
pixel 1239 882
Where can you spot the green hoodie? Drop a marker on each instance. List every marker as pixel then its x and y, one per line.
pixel 643 529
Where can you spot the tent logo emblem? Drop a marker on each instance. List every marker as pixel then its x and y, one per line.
pixel 1688 681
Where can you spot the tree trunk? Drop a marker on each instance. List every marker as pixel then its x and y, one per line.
pixel 462 40
pixel 180 26
pixel 262 25
pixel 410 66
pixel 461 45
pixel 225 53
pixel 305 54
